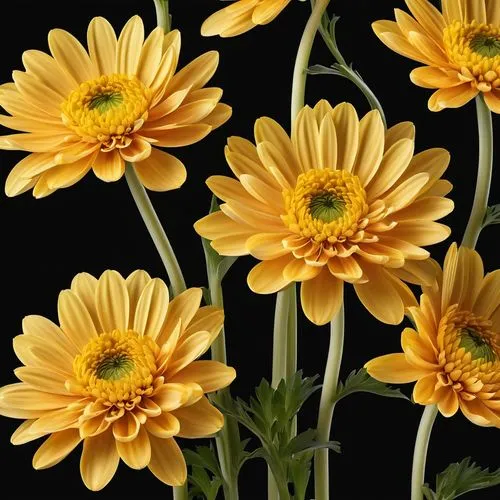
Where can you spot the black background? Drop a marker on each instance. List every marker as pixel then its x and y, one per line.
pixel 94 226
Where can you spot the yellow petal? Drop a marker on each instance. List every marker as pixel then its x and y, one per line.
pixel 109 166
pixel 24 434
pixel 112 302
pixel 161 171
pixel 128 48
pixel 150 58
pixel 453 97
pixel 393 369
pixel 230 21
pixel 187 350
pixel 210 375
pixel 139 150
pixel 42 379
pixel 99 461
pixel 421 233
pixel 199 420
pixel 196 74
pixel 163 426
pixel 327 143
pixel 84 285
pixel 429 48
pixel 267 10
pixel 447 401
pixel 151 308
pixel 266 246
pixel 305 138
pixel 429 17
pixel 267 277
pixel 300 270
pixel 209 319
pixel 220 115
pixel 429 208
pixel 345 269
pixel 101 40
pixel 453 10
pixel 424 390
pixel 476 10
pixel 167 462
pixel 434 78
pixel 17 183
pixel 24 397
pixel 347 129
pixel 56 448
pixel 136 453
pixel 403 130
pixel 492 100
pixel 126 428
pixel 136 283
pixel 218 224
pixel 179 135
pixel 321 297
pixel 449 273
pixel 488 299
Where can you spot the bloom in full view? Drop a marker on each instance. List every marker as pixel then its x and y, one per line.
pixel 454 350
pixel 460 48
pixel 242 16
pixel 121 374
pixel 80 110
pixel 342 200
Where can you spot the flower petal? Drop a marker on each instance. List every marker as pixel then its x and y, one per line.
pixel 112 302
pixel 167 462
pixel 136 453
pixel 394 369
pixel 200 419
pixel 210 375
pixel 56 448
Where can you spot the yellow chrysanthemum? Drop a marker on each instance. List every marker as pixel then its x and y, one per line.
pixel 242 16
pixel 100 109
pixel 342 200
pixel 459 47
pixel 454 351
pixel 120 374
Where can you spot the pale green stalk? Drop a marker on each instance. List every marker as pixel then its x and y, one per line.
pixel 327 404
pixel 484 172
pixel 420 451
pixel 303 54
pixel 162 14
pixel 156 230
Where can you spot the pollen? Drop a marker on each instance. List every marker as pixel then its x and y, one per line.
pixel 326 205
pixel 469 352
pixel 474 48
pixel 107 110
pixel 117 367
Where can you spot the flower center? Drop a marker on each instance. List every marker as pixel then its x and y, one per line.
pixel 326 205
pixel 477 344
pixel 475 50
pixel 117 366
pixel 107 109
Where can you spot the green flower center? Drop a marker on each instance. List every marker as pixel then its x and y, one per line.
pixel 114 367
pixel 326 207
pixel 105 102
pixel 487 46
pixel 477 345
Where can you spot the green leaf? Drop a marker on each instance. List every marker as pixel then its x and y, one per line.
pixel 300 472
pixel 306 441
pixel 492 216
pixel 460 478
pixel 319 69
pixel 360 381
pixel 217 265
pixel 203 461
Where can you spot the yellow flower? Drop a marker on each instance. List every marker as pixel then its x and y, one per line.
pixel 342 200
pixel 242 16
pixel 459 47
pixel 454 351
pixel 119 374
pixel 100 109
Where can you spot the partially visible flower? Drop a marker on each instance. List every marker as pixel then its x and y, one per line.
pixel 459 47
pixel 120 374
pixel 454 351
pixel 97 110
pixel 343 200
pixel 242 16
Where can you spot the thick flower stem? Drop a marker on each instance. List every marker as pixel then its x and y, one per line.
pixel 327 404
pixel 162 14
pixel 229 435
pixel 291 342
pixel 420 452
pixel 156 230
pixel 303 54
pixel 485 168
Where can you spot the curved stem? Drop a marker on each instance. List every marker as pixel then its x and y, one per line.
pixel 162 14
pixel 420 452
pixel 485 168
pixel 303 54
pixel 155 230
pixel 327 405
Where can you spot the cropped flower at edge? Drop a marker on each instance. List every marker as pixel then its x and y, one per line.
pixel 117 103
pixel 342 200
pixel 459 47
pixel 120 374
pixel 242 16
pixel 454 351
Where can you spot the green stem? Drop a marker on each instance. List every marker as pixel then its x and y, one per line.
pixel 420 452
pixel 303 54
pixel 346 71
pixel 484 173
pixel 156 230
pixel 280 356
pixel 163 17
pixel 229 434
pixel 327 404
pixel 181 492
pixel 291 343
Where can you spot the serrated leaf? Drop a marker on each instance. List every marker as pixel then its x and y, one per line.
pixel 492 216
pixel 319 69
pixel 306 441
pixel 461 478
pixel 360 381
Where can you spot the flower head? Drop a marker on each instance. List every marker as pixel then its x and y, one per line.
pixel 121 374
pixel 80 110
pixel 342 200
pixel 459 47
pixel 242 16
pixel 454 350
